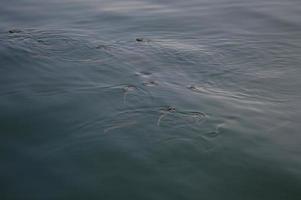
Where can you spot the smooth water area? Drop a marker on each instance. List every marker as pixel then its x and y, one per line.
pixel 205 105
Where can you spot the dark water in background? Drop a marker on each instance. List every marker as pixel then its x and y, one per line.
pixel 206 107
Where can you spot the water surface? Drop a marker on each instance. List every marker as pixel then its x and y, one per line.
pixel 206 105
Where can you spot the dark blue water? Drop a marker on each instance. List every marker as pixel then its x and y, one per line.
pixel 205 105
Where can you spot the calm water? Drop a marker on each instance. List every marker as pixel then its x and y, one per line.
pixel 206 106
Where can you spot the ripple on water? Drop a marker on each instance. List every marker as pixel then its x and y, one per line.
pixel 65 47
pixel 208 89
pixel 57 44
pixel 187 117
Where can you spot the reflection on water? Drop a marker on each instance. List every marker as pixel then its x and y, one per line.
pixel 150 99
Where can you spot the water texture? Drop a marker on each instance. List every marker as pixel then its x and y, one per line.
pixel 150 99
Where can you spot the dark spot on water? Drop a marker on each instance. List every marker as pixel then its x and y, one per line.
pixel 142 40
pixel 150 83
pixel 192 87
pixel 171 109
pixel 168 109
pixel 15 31
pixel 165 111
pixel 101 46
pixel 41 41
